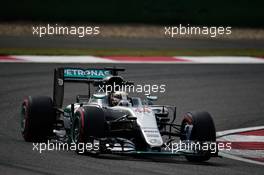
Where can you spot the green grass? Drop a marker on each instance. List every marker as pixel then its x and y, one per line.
pixel 135 52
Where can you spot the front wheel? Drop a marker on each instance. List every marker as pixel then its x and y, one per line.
pixel 88 126
pixel 199 128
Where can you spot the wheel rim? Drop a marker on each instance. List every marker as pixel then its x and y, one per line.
pixel 76 130
pixel 186 128
pixel 188 131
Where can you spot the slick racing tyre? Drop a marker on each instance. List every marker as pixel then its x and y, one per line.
pixel 88 125
pixel 37 118
pixel 198 127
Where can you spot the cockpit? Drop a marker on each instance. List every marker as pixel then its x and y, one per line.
pixel 104 100
pixel 100 99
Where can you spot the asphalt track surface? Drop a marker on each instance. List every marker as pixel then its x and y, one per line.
pixel 125 43
pixel 232 93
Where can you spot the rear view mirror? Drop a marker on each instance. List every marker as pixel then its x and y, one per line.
pixel 152 98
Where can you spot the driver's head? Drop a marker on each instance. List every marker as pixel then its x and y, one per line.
pixel 117 96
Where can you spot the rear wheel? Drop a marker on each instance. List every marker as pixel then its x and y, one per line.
pixel 88 125
pixel 199 127
pixel 37 118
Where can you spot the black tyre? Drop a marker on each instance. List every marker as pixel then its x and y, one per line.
pixel 201 129
pixel 37 118
pixel 88 124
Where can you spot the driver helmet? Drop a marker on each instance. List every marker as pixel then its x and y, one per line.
pixel 117 96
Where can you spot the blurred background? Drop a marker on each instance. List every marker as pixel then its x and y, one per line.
pixel 242 13
pixel 136 25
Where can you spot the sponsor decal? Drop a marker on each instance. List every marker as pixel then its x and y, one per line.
pixel 60 82
pixel 152 133
pixel 142 110
pixel 154 141
pixel 86 73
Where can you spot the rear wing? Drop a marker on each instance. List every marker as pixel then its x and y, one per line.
pixel 82 75
pixel 69 74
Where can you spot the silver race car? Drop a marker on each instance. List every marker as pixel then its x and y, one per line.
pixel 114 122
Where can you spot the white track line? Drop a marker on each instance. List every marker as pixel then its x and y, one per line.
pixel 94 59
pixel 241 138
pixel 232 131
pixel 237 153
pixel 223 59
pixel 64 59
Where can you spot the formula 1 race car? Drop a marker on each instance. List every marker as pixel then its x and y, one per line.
pixel 113 121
